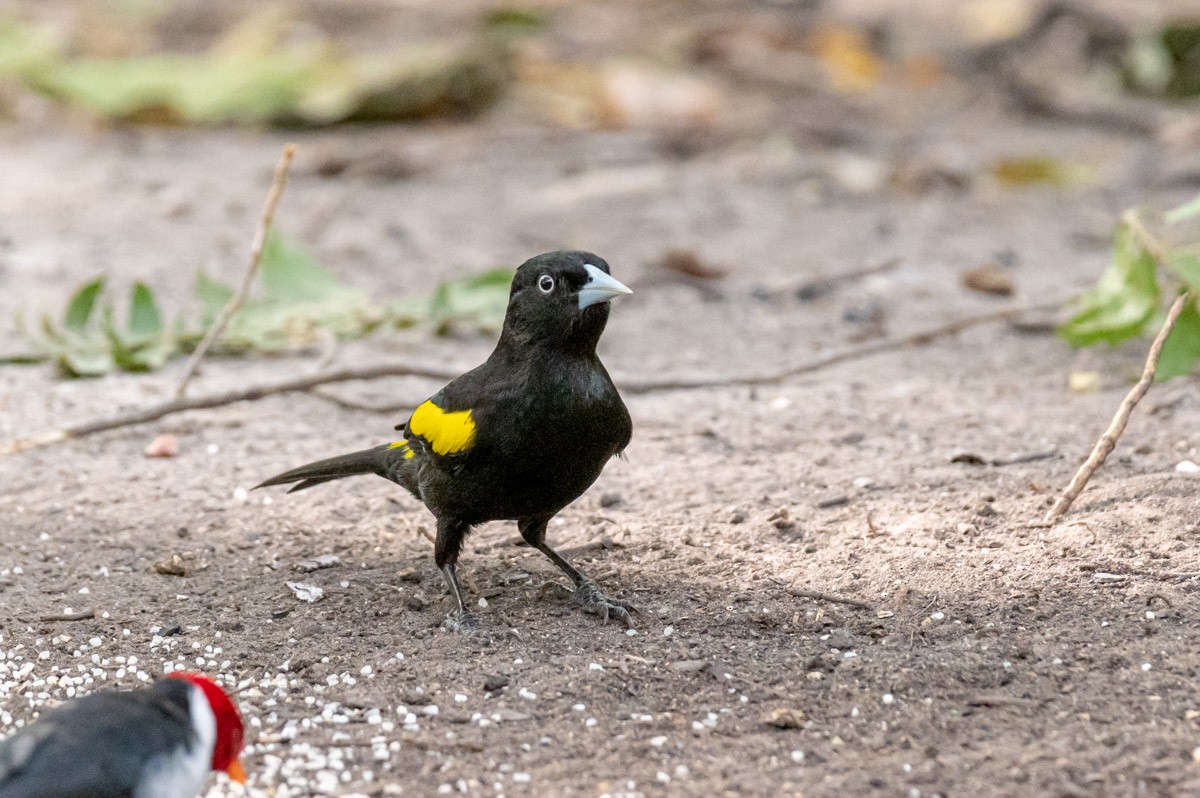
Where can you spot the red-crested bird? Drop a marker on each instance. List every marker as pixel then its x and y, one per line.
pixel 158 742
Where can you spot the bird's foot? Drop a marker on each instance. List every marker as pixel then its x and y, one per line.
pixel 468 624
pixel 589 597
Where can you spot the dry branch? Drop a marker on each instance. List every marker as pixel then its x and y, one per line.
pixel 406 368
pixel 818 596
pixel 1108 441
pixel 239 296
pixel 155 412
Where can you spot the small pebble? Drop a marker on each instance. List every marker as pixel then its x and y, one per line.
pixel 888 698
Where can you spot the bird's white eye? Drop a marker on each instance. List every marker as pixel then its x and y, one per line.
pixel 546 284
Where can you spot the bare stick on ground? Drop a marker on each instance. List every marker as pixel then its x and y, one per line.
pixel 79 615
pixel 154 412
pixel 819 596
pixel 239 296
pixel 1108 441
pixel 405 368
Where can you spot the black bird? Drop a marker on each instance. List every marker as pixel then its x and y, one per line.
pixel 519 437
pixel 159 742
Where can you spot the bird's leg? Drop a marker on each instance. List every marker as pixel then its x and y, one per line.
pixel 450 536
pixel 585 592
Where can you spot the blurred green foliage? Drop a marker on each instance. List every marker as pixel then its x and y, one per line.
pixel 299 301
pixel 1144 275
pixel 259 73
pixel 1166 62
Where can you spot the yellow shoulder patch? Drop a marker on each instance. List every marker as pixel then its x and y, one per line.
pixel 408 452
pixel 447 433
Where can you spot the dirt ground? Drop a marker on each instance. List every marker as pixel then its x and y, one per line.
pixel 990 658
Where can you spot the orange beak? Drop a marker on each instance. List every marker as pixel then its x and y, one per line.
pixel 236 772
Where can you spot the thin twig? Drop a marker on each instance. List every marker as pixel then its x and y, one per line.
pixel 351 404
pixel 239 296
pixel 631 385
pixel 819 596
pixel 405 368
pixel 155 412
pixel 81 615
pixel 988 700
pixel 1108 441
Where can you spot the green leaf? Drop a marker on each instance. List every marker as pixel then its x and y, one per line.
pixel 514 17
pixel 1185 211
pixel 1181 350
pixel 291 275
pixel 1125 297
pixel 1187 267
pixel 145 320
pixel 81 305
pixel 213 296
pixel 85 362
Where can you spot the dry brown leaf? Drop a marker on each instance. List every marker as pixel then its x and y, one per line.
pixel 989 279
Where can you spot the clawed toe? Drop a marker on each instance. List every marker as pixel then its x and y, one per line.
pixel 468 624
pixel 590 599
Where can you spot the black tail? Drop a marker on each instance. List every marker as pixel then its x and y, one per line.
pixel 381 460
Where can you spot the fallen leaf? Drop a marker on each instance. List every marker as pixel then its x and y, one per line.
pixel 1020 172
pixel 846 55
pixel 688 263
pixel 989 279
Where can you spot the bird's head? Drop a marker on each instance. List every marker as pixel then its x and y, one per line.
pixel 561 297
pixel 230 731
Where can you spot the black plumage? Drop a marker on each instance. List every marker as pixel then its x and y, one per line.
pixel 97 746
pixel 522 435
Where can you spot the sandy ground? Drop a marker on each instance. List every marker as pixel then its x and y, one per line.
pixel 992 658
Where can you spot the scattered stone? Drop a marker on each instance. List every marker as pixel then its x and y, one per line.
pixel 171 566
pixel 785 718
pixel 1187 467
pixel 1084 382
pixel 162 446
pixel 610 499
pixel 495 682
pixel 306 591
pixel 688 665
pixel 166 630
pixel 317 563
